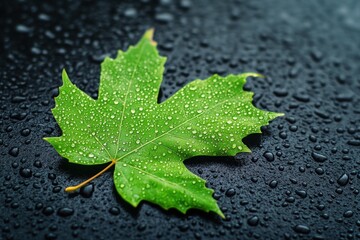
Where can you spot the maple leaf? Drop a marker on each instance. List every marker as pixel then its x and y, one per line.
pixel 148 141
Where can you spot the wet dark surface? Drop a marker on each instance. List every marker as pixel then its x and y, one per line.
pixel 302 179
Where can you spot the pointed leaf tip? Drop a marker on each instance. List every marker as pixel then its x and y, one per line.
pixel 64 74
pixel 221 214
pixel 149 34
pixel 65 77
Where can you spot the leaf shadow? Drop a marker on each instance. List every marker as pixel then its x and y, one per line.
pixel 133 211
pixel 82 172
pixel 191 213
pixel 203 161
pixel 78 173
pixel 253 141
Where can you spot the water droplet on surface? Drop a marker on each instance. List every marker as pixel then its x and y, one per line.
pixel 23 29
pixel 354 142
pixel 302 229
pixel 98 58
pixel 319 171
pixel 37 164
pixel 343 179
pixel 25 172
pixel 164 17
pixel 141 227
pixel 230 192
pixel 269 156
pixel 185 4
pixel 15 165
pixel 301 193
pixel 25 132
pixel 130 12
pixel 65 212
pixel 348 214
pixel 48 211
pixel 114 211
pixel 253 221
pixel 318 157
pixel 281 92
pixel 316 55
pixel 273 184
pixel 87 191
pixel 14 151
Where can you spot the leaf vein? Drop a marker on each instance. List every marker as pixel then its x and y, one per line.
pixel 125 100
pixel 165 133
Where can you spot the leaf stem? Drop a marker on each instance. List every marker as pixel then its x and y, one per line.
pixel 74 188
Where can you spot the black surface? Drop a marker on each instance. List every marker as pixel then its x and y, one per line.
pixel 310 53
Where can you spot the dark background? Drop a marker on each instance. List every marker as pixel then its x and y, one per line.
pixel 300 182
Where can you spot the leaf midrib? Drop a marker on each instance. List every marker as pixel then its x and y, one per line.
pixel 125 100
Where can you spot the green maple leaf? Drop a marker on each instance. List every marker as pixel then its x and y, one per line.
pixel 148 141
